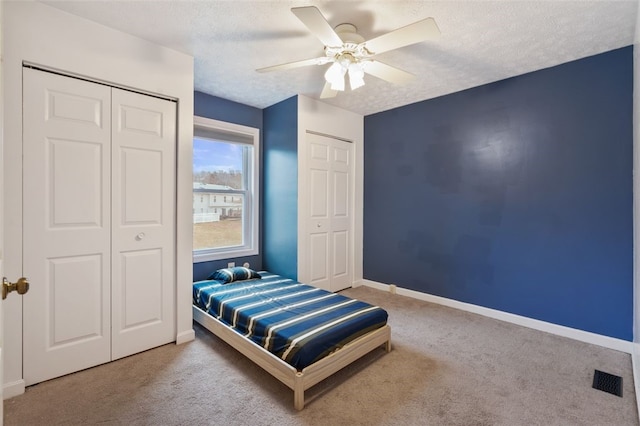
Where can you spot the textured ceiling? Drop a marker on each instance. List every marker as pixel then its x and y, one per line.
pixel 480 42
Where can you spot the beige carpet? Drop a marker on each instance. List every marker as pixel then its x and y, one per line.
pixel 447 367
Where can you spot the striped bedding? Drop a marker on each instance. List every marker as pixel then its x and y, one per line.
pixel 296 322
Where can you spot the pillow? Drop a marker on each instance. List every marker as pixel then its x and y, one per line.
pixel 229 275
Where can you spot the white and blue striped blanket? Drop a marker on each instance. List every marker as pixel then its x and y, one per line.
pixel 296 322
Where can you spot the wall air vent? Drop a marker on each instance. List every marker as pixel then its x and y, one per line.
pixel 607 382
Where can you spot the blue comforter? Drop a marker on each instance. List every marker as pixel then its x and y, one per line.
pixel 296 322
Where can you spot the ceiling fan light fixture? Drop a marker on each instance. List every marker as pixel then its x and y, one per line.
pixel 335 75
pixel 356 75
pixel 338 84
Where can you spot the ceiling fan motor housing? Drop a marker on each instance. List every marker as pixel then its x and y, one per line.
pixel 348 33
pixel 352 49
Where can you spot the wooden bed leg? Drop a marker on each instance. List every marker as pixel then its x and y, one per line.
pixel 298 392
pixel 387 345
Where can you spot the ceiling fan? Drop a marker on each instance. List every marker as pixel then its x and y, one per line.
pixel 350 54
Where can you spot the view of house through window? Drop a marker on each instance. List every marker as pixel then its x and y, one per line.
pixel 223 217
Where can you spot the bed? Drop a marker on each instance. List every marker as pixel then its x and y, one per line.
pixel 298 333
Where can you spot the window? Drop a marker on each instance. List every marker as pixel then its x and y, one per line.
pixel 225 163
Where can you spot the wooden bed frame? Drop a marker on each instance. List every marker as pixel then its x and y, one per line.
pixel 298 381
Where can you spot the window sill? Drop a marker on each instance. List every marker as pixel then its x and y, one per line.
pixel 199 257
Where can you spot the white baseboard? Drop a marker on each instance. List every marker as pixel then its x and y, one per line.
pixel 185 336
pixel 635 365
pixel 560 330
pixel 9 390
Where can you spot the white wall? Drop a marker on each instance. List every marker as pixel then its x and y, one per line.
pixel 329 120
pixel 42 35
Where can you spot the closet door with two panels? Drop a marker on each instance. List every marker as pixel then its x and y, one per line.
pixel 98 223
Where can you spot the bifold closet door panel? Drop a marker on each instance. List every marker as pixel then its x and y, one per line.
pixel 66 225
pixel 143 222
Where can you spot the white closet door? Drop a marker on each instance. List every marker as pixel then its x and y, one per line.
pixel 330 219
pixel 143 282
pixel 66 225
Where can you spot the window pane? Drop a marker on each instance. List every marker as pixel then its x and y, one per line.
pixel 218 172
pixel 218 224
pixel 219 163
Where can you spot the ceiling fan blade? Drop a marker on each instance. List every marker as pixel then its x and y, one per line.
pixel 412 33
pixel 318 25
pixel 297 64
pixel 387 72
pixel 328 92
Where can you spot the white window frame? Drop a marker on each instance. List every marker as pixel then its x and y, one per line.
pixel 251 222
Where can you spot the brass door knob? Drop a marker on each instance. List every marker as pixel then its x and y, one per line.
pixel 22 286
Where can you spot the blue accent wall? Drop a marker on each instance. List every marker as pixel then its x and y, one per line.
pixel 516 195
pixel 225 110
pixel 280 195
pixel 231 112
